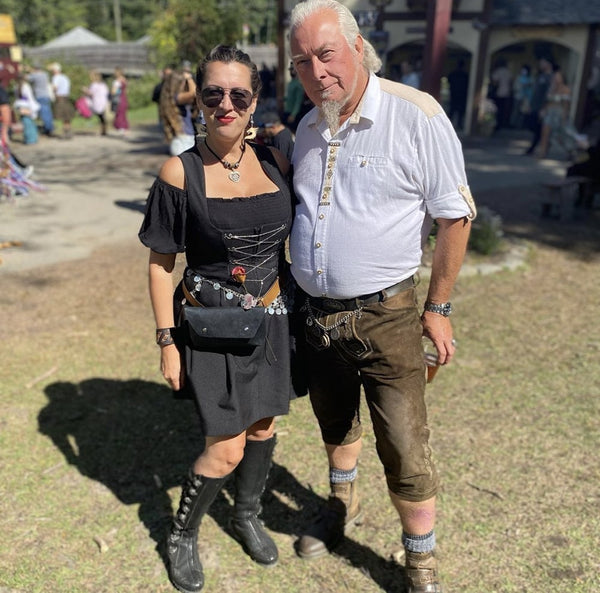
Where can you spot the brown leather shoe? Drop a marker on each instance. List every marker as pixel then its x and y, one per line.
pixel 421 573
pixel 337 518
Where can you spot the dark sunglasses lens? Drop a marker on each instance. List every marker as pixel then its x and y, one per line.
pixel 212 97
pixel 241 98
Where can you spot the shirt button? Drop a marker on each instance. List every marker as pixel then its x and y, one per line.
pixel 321 216
pixel 319 272
pixel 317 245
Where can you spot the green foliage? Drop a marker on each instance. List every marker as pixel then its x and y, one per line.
pixel 183 32
pixel 486 232
pixel 39 21
pixel 188 29
pixel 139 91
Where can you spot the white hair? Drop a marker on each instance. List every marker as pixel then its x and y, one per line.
pixel 348 27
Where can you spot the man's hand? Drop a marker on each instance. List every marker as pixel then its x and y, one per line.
pixel 439 330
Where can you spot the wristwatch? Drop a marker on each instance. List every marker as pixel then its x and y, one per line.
pixel 441 308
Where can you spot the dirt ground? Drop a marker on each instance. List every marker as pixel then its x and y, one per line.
pixel 86 491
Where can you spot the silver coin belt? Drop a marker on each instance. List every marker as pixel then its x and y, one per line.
pixel 329 332
pixel 247 301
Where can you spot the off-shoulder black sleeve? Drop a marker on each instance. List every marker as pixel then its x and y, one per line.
pixel 163 228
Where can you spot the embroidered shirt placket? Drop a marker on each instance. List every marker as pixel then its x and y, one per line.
pixel 324 203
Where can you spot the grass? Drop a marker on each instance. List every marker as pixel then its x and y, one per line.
pixel 94 449
pixel 137 117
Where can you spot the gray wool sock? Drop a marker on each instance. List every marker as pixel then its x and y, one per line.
pixel 339 476
pixel 419 543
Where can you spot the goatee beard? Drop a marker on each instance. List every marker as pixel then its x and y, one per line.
pixel 331 111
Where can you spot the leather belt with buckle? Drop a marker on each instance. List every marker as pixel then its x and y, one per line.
pixel 336 305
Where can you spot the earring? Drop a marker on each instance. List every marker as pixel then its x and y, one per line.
pixel 201 125
pixel 251 131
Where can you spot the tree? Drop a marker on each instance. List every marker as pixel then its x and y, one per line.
pixel 40 21
pixel 189 29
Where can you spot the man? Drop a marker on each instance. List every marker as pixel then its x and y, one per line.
pixel 277 135
pixel 374 162
pixel 538 101
pixel 294 107
pixel 458 80
pixel 502 80
pixel 64 110
pixel 42 90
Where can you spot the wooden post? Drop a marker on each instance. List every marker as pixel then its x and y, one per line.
pixel 438 24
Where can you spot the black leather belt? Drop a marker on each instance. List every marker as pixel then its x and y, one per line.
pixel 335 305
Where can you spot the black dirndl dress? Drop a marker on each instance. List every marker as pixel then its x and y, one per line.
pixel 232 388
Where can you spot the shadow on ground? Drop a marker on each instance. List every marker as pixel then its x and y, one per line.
pixel 134 439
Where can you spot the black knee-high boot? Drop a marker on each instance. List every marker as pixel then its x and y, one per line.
pixel 250 479
pixel 185 568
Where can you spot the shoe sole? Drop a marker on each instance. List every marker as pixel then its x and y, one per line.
pixel 326 550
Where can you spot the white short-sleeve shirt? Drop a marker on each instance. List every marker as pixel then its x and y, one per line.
pixel 367 196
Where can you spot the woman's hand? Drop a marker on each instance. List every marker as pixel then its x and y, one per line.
pixel 171 366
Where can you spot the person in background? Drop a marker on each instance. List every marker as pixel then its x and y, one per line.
pixel 63 106
pixel 277 135
pixel 502 80
pixel 225 203
pixel 538 100
pixel 5 117
pixel 185 99
pixel 409 76
pixel 42 89
pixel 555 113
pixel 166 71
pixel 176 109
pixel 294 101
pixel 98 94
pixel 378 151
pixel 458 81
pixel 119 101
pixel 5 124
pixel 523 93
pixel 27 107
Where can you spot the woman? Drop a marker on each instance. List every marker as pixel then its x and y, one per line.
pixel 98 95
pixel 119 101
pixel 225 202
pixel 27 108
pixel 556 110
pixel 175 114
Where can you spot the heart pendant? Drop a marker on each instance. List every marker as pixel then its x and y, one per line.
pixel 234 176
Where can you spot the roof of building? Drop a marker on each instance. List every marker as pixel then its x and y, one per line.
pixel 545 12
pixel 75 37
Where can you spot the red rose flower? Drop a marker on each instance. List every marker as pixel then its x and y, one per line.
pixel 239 274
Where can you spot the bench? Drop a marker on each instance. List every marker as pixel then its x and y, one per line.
pixel 563 196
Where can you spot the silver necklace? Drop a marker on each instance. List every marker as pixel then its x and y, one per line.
pixel 233 175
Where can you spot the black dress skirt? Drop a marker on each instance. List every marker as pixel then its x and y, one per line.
pixel 233 388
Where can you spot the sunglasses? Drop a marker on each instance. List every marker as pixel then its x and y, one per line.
pixel 212 96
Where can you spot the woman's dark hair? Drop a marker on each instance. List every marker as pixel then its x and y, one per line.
pixel 228 54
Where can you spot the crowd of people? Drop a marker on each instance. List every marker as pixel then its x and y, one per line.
pixel 538 101
pixel 44 102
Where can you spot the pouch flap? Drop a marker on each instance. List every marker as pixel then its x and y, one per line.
pixel 224 324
